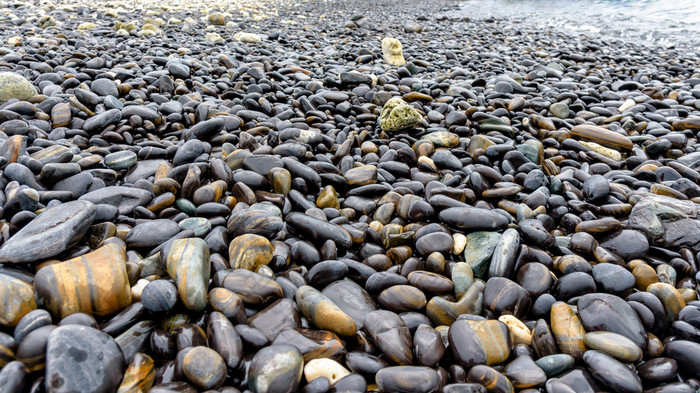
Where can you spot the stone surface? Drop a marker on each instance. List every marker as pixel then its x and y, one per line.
pixel 82 359
pixel 50 233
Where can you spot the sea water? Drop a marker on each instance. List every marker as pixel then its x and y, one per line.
pixel 664 23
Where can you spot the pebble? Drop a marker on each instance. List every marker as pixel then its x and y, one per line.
pixel 94 283
pixel 275 369
pixel 188 263
pixel 82 359
pixel 50 233
pixel 13 85
pixel 204 367
pixel 19 300
pixel 324 368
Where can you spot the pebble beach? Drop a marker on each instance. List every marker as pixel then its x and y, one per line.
pixel 344 196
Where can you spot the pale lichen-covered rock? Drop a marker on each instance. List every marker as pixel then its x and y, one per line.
pixel 246 37
pixel 46 21
pixel 86 26
pixel 393 51
pixel 124 26
pixel 213 37
pixel 157 22
pixel 149 30
pixel 604 151
pixel 14 41
pixel 398 115
pixel 15 86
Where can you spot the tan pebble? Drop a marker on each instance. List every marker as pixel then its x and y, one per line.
pixel 521 333
pixel 137 289
pixel 325 367
pixel 459 242
pixel 607 152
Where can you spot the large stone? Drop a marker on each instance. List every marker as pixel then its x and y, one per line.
pixel 49 234
pixel 18 300
pixel 276 369
pixel 82 359
pixel 392 51
pixel 15 86
pixel 479 251
pixel 627 244
pixel 126 199
pixel 667 222
pixel 188 264
pixel 480 342
pixel 398 115
pixel 94 283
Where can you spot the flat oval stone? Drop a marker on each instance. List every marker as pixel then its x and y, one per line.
pixel 478 251
pixel 159 296
pixel 318 230
pixel 31 321
pixel 658 369
pixel 253 221
pixel 351 298
pixel 276 369
pixel 599 311
pixel 473 219
pixel 151 233
pixel 428 346
pixel 12 376
pixel 101 120
pixel 188 264
pixel 323 312
pixel 408 379
pixel 434 242
pixel 126 199
pixel 204 367
pixel 686 354
pixel 390 333
pixel 121 160
pixel 18 300
pixel 50 233
pixel 555 364
pixel 502 295
pixel 628 244
pixel 523 373
pixel 249 251
pixel 95 283
pixel 479 342
pixel 567 330
pixel 504 254
pixel 13 85
pixel 490 378
pixel 283 314
pixel 601 136
pixel 82 359
pixel 312 343
pixel 615 345
pixel 402 298
pixel 596 189
pixel 252 287
pixel 612 373
pixel 612 278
